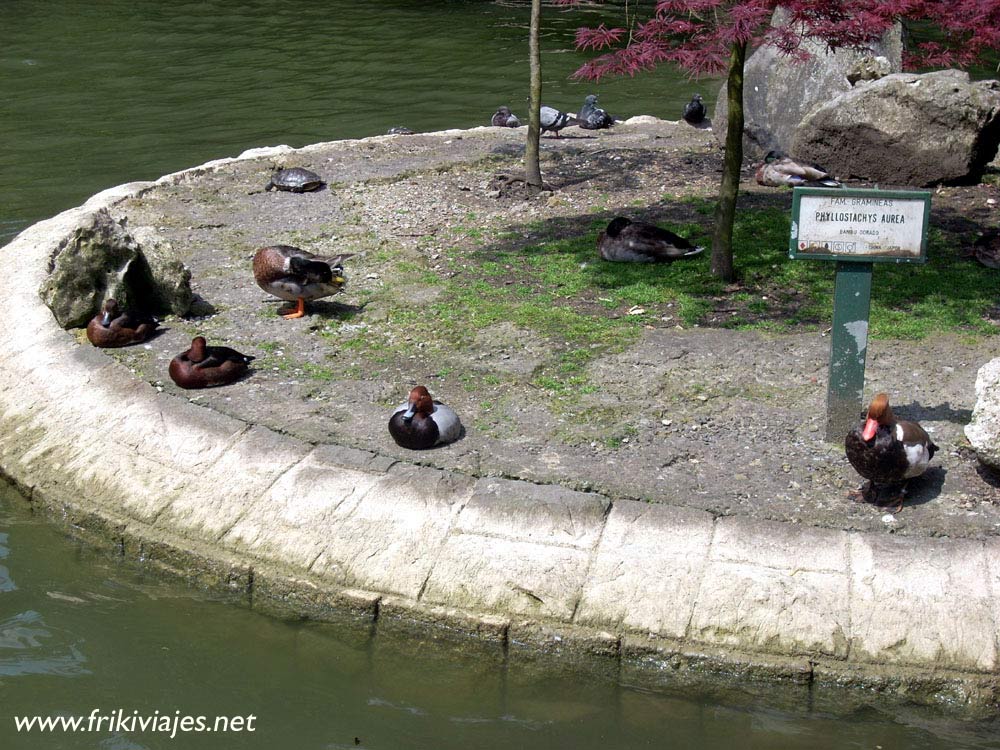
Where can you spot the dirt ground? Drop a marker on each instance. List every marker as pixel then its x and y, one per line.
pixel 728 421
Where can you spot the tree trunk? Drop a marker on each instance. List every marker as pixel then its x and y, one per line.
pixel 725 213
pixel 532 169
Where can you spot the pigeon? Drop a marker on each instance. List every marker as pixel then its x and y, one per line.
pixel 694 110
pixel 592 117
pixel 554 120
pixel 504 118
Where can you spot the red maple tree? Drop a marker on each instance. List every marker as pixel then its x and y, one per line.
pixel 711 37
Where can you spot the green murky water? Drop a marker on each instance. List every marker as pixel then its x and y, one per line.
pixel 81 633
pixel 94 94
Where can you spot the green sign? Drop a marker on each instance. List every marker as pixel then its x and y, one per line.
pixel 856 228
pixel 863 226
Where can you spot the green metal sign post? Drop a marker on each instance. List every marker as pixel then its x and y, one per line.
pixel 856 228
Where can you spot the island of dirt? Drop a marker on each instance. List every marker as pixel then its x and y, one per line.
pixel 454 283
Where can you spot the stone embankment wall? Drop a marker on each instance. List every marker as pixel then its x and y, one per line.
pixel 314 530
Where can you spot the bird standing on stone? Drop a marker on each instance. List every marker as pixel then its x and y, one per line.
pixel 694 110
pixel 423 423
pixel 887 451
pixel 778 170
pixel 297 276
pixel 638 242
pixel 592 117
pixel 504 118
pixel 553 120
pixel 114 327
pixel 204 366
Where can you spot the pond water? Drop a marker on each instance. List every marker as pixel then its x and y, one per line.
pixel 80 632
pixel 97 94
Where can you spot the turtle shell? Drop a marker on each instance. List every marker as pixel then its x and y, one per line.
pixel 295 179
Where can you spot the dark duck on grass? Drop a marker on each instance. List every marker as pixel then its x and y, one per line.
pixel 114 327
pixel 552 120
pixel 297 275
pixel 504 118
pixel 638 242
pixel 779 170
pixel 887 452
pixel 423 423
pixel 592 117
pixel 694 110
pixel 204 366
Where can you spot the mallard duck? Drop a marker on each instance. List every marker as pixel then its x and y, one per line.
pixel 694 110
pixel 423 423
pixel 504 118
pixel 638 242
pixel 592 117
pixel 778 170
pixel 297 276
pixel 553 120
pixel 114 327
pixel 204 366
pixel 887 451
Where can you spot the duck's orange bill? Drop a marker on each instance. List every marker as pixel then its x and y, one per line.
pixel 871 427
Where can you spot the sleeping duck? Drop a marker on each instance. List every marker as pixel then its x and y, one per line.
pixel 204 366
pixel 423 423
pixel 887 451
pixel 778 170
pixel 638 242
pixel 297 276
pixel 114 327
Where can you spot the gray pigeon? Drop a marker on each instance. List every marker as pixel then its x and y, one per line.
pixel 592 117
pixel 504 118
pixel 694 110
pixel 554 120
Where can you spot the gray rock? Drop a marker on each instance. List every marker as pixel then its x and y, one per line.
pixel 984 429
pixel 869 69
pixel 102 259
pixel 780 90
pixel 906 129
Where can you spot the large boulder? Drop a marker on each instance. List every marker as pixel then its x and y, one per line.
pixel 984 429
pixel 906 129
pixel 101 259
pixel 780 90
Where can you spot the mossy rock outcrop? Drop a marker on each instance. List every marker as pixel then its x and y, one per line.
pixel 102 259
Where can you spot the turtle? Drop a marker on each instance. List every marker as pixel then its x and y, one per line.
pixel 295 179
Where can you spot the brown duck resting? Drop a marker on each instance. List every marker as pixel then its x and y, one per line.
pixel 114 327
pixel 628 241
pixel 204 366
pixel 888 452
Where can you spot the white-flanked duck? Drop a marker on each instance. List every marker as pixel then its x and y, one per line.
pixel 779 169
pixel 638 242
pixel 887 451
pixel 423 423
pixel 297 276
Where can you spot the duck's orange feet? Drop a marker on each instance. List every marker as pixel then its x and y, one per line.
pixel 298 312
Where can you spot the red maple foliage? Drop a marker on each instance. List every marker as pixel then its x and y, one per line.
pixel 698 35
